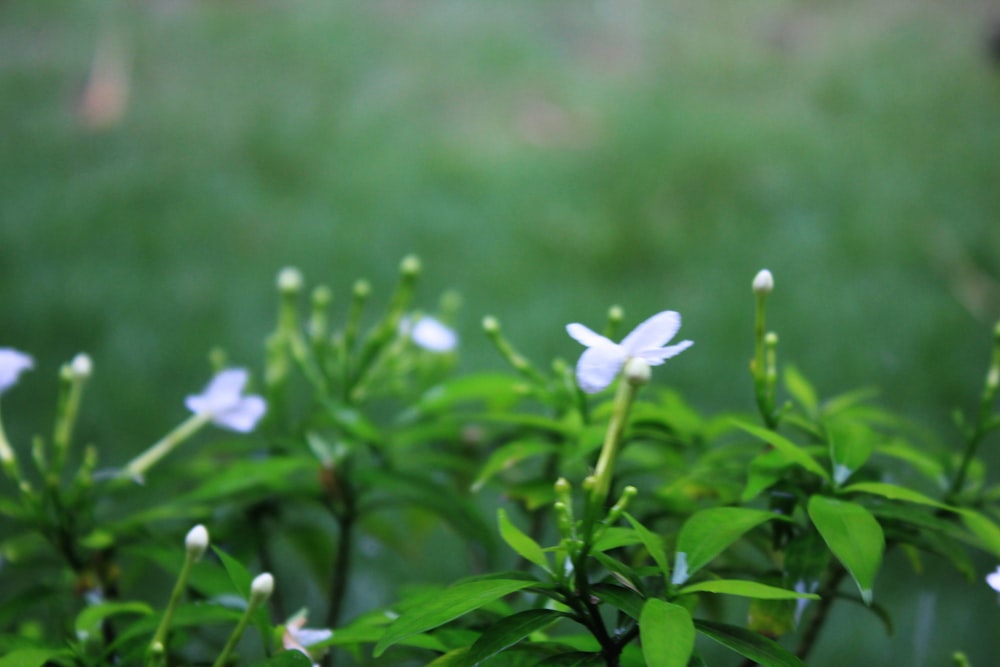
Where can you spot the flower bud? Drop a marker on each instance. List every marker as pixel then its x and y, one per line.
pixel 637 371
pixel 362 288
pixel 261 587
pixel 763 282
pixel 196 541
pixel 410 266
pixel 290 280
pixel 81 367
pixel 615 314
pixel 491 325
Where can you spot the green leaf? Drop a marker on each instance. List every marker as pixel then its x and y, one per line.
pixel 667 634
pixel 800 389
pixel 574 659
pixel 619 597
pixel 746 589
pixel 510 630
pixel 894 492
pixel 772 618
pixel 508 456
pixel 853 535
pixel 851 444
pixel 708 532
pixel 31 657
pixel 749 644
pixel 526 547
pixel 792 450
pixel 88 621
pixel 653 544
pixel 453 602
pixel 925 464
pixel 983 528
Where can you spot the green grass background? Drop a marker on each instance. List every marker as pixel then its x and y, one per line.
pixel 547 159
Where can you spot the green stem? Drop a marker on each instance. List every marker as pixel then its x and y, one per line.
pixel 138 466
pixel 157 647
pixel 254 603
pixel 604 471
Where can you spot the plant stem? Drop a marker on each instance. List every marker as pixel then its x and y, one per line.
pixel 138 466
pixel 827 597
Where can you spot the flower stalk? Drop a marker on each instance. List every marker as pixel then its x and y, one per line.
pixel 260 590
pixel 195 545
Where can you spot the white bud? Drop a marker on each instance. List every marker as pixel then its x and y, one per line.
pixel 262 587
pixel 196 541
pixel 290 279
pixel 763 282
pixel 491 325
pixel 637 371
pixel 81 367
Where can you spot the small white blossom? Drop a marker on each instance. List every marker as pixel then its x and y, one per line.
pixel 224 403
pixel 298 638
pixel 993 579
pixel 603 359
pixel 12 364
pixel 430 334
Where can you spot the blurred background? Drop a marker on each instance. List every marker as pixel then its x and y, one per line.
pixel 161 160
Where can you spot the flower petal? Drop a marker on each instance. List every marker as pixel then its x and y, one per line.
pixel 243 416
pixel 656 356
pixel 12 364
pixel 993 579
pixel 652 333
pixel 585 336
pixel 598 366
pixel 432 335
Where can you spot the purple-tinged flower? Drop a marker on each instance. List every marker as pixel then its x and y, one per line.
pixel 224 403
pixel 12 364
pixel 603 359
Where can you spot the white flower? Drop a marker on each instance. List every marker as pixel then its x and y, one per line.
pixel 430 334
pixel 603 359
pixel 993 579
pixel 81 367
pixel 298 638
pixel 224 403
pixel 12 364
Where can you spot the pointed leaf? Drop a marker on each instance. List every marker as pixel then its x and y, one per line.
pixel 526 547
pixel 893 492
pixel 653 544
pixel 983 528
pixel 851 444
pixel 667 634
pixel 853 535
pixel 708 532
pixel 508 631
pixel 800 389
pixel 286 659
pixel 746 589
pixel 453 602
pixel 508 456
pixel 792 450
pixel 749 644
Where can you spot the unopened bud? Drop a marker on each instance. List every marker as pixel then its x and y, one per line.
pixel 637 371
pixel 290 280
pixel 362 288
pixel 491 325
pixel 321 296
pixel 763 282
pixel 81 367
pixel 262 587
pixel 615 314
pixel 410 266
pixel 196 541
